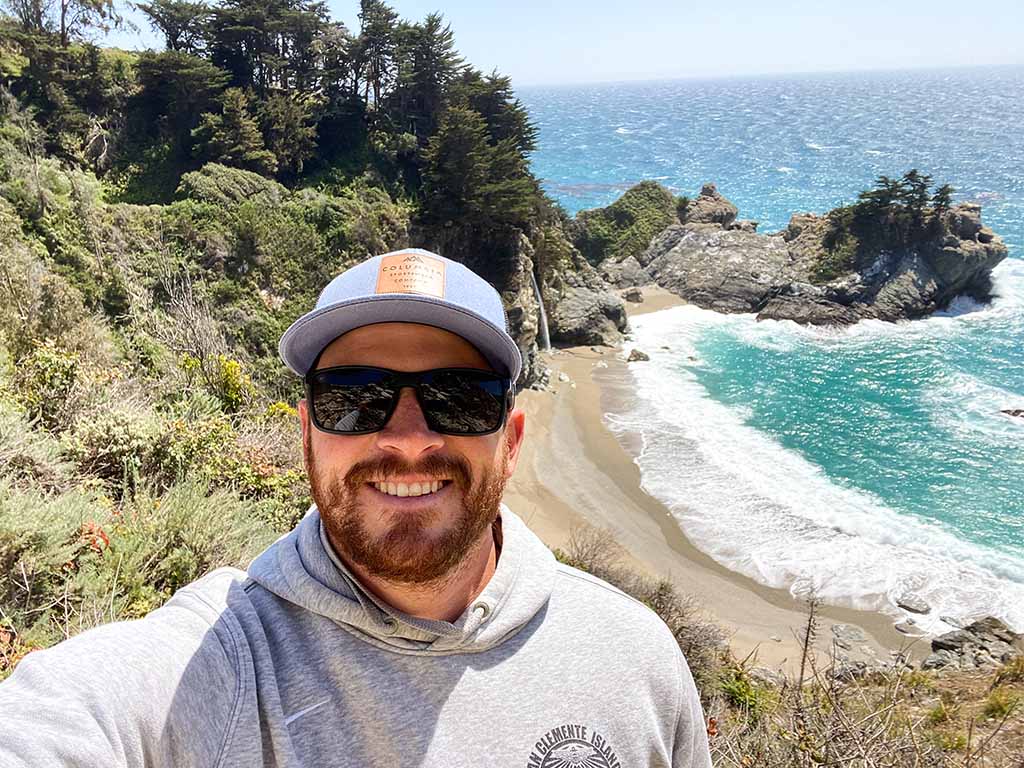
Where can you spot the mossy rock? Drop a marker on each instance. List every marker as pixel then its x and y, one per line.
pixel 625 227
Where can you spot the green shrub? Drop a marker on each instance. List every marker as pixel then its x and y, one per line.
pixel 45 385
pixel 944 710
pixel 1001 703
pixel 29 456
pixel 73 561
pixel 225 187
pixel 625 227
pixel 742 692
pixel 113 445
pixel 1011 672
pixel 160 543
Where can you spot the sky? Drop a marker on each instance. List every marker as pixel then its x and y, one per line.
pixel 550 42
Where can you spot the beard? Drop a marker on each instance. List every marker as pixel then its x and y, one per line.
pixel 407 552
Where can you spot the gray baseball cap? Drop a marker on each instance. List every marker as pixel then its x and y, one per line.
pixel 407 286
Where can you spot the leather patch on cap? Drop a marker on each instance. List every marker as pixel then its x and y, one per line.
pixel 411 273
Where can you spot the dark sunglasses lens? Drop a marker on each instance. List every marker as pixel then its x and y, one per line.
pixel 463 402
pixel 351 401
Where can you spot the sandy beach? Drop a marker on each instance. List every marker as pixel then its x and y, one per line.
pixel 574 471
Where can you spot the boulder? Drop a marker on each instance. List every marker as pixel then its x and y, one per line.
pixel 743 225
pixel 586 316
pixel 912 602
pixel 964 220
pixel 710 207
pixel 848 635
pixel 1017 412
pixel 718 269
pixel 982 644
pixel 636 356
pixel 634 295
pixel 625 273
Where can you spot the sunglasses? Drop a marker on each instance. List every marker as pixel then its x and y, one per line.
pixel 357 400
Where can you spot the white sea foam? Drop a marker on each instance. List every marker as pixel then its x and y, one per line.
pixel 770 514
pixel 785 169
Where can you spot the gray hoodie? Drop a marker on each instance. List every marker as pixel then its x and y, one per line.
pixel 294 664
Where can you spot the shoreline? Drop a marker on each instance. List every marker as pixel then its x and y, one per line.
pixel 573 470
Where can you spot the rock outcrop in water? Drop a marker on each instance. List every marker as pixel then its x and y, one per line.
pixel 833 269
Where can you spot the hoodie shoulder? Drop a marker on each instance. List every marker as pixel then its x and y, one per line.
pixel 161 690
pixel 598 604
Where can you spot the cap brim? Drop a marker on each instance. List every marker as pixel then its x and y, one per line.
pixel 308 335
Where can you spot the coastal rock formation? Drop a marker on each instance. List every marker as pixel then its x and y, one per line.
pixel 728 271
pixel 984 644
pixel 581 306
pixel 522 310
pixel 797 274
pixel 710 207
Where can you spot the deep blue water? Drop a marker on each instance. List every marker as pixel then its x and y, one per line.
pixel 867 462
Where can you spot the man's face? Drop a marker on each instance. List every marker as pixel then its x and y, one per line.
pixel 407 539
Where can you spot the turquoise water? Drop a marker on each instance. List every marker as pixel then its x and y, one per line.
pixel 867 462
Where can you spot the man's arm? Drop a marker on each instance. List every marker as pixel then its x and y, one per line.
pixel 691 743
pixel 158 691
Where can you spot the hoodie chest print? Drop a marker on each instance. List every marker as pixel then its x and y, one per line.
pixel 572 746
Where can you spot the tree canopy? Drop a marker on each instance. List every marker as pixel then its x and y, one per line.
pixel 281 89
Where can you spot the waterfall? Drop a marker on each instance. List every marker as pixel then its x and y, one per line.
pixel 544 337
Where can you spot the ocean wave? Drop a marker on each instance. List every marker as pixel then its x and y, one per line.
pixel 769 513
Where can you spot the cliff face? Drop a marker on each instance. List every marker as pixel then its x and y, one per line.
pixel 714 261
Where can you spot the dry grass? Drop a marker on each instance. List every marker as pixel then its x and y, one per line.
pixel 897 717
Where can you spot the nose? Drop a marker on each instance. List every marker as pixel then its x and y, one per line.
pixel 406 431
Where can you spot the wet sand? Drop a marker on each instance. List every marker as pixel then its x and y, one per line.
pixel 573 470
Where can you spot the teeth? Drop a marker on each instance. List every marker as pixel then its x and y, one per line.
pixel 409 489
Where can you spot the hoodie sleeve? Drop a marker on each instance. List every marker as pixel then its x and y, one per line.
pixel 154 692
pixel 691 743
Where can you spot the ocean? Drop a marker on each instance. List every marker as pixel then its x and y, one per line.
pixel 866 464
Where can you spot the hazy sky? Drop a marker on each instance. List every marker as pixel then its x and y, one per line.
pixel 572 41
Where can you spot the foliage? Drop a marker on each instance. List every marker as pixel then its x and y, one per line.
pixel 625 227
pixel 1001 703
pixel 897 213
pixel 233 137
pixel 225 187
pixel 73 561
pixel 30 457
pixel 45 384
pixel 744 693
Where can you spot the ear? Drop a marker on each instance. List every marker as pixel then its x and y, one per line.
pixel 514 430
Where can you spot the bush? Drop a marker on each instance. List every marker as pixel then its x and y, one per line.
pixel 625 227
pixel 113 445
pixel 1001 703
pixel 73 561
pixel 45 383
pixel 742 692
pixel 225 187
pixel 27 456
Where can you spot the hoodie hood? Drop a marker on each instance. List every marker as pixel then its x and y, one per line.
pixel 303 569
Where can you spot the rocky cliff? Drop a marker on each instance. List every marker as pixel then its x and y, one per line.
pixel 715 261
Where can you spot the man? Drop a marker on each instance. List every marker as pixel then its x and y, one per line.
pixel 410 618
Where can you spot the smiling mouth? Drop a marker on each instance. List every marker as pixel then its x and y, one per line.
pixel 424 488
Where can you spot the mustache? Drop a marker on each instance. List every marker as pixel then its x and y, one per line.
pixel 455 468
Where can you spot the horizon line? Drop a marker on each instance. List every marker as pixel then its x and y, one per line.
pixel 788 73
